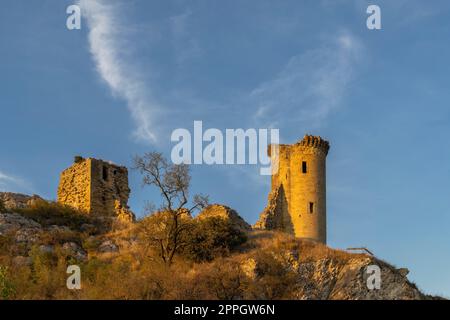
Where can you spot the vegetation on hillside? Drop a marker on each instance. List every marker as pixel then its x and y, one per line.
pixel 214 270
pixel 167 228
pixel 153 257
pixel 2 206
pixel 170 255
pixel 136 271
pixel 52 213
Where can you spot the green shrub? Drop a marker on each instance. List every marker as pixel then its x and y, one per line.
pixel 212 237
pixel 275 280
pixel 5 242
pixel 91 243
pixel 53 213
pixel 7 290
pixel 2 206
pixel 60 236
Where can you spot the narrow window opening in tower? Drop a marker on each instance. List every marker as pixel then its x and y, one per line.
pixel 105 173
pixel 311 207
pixel 304 170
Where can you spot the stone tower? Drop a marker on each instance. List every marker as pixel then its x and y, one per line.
pixel 297 201
pixel 96 187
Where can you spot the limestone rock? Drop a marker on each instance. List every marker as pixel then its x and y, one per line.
pixel 13 201
pixel 316 272
pixel 108 247
pixel 58 229
pixel 24 230
pixel 14 220
pixel 74 250
pixel 224 212
pixel 351 283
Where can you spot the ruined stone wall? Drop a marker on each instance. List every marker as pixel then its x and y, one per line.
pixel 299 206
pixel 276 215
pixel 96 187
pixel 109 184
pixel 75 186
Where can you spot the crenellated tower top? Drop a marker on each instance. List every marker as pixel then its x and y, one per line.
pixel 316 142
pixel 297 202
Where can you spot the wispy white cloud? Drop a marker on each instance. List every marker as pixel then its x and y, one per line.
pixel 304 93
pixel 13 184
pixel 110 51
pixel 310 86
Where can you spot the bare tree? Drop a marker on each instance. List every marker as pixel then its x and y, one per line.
pixel 165 228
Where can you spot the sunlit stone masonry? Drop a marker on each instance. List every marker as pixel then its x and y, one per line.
pixel 297 201
pixel 96 187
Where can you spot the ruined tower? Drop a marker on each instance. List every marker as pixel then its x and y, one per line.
pixel 96 187
pixel 297 201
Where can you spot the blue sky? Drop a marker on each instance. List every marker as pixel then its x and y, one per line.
pixel 137 70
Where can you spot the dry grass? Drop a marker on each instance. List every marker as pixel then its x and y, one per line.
pixel 53 213
pixel 273 241
pixel 137 272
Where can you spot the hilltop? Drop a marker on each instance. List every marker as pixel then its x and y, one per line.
pixel 229 261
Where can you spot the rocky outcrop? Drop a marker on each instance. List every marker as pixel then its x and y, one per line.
pixel 108 246
pixel 315 272
pixel 271 265
pixel 351 281
pixel 13 201
pixel 26 233
pixel 224 212
pixel 23 230
pixel 74 250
